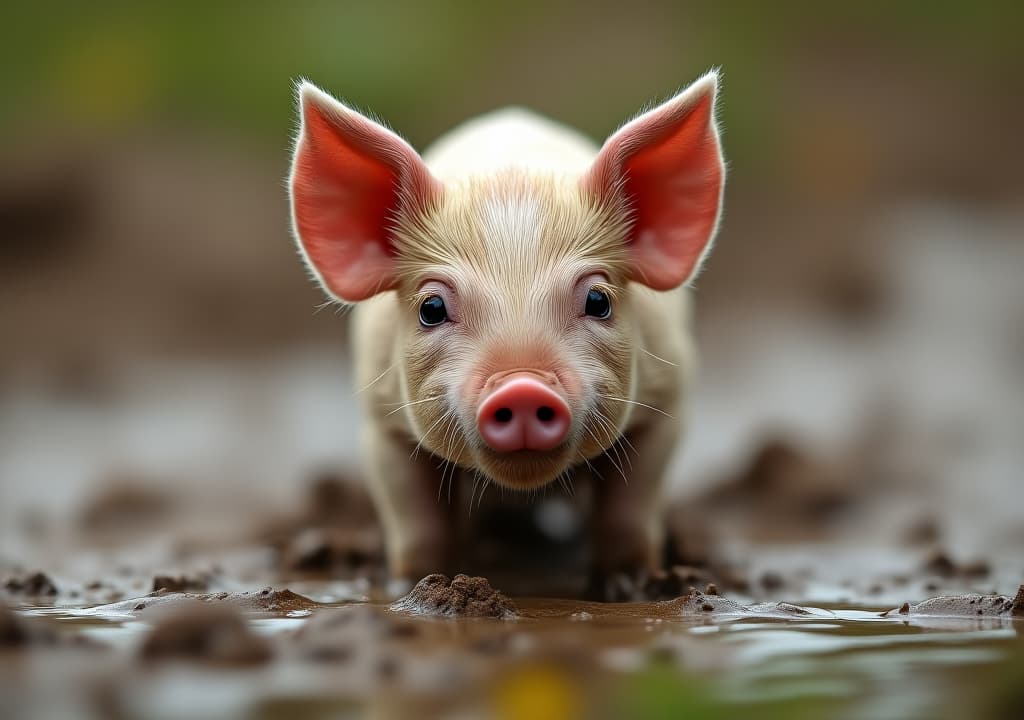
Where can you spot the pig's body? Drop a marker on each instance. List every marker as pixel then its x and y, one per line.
pixel 662 355
pixel 504 227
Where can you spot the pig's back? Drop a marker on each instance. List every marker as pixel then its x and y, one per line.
pixel 506 138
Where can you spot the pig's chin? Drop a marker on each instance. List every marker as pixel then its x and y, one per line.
pixel 524 469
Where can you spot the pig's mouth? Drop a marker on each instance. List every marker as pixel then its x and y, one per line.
pixel 592 430
pixel 525 469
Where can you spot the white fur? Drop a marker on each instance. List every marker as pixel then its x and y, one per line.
pixel 512 137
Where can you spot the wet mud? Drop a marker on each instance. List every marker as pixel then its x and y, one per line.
pixel 965 606
pixel 457 643
pixel 266 600
pixel 295 606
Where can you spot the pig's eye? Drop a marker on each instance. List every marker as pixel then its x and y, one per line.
pixel 432 311
pixel 598 304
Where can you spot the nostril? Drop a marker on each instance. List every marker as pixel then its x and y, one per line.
pixel 523 413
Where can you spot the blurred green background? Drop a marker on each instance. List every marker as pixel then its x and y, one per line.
pixel 157 134
pixel 105 67
pixel 154 137
pixel 426 65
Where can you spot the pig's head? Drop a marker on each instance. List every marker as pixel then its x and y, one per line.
pixel 516 329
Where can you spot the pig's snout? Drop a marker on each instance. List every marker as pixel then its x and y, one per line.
pixel 523 412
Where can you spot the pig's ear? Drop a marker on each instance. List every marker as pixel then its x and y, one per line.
pixel 350 179
pixel 666 167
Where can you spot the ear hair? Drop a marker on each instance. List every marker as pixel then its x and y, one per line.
pixel 351 182
pixel 665 167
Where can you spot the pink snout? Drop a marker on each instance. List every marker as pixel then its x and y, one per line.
pixel 523 413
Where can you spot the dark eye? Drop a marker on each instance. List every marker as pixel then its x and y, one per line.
pixel 598 304
pixel 433 311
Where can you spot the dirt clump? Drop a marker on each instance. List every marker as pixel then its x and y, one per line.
pixel 197 631
pixel 696 602
pixel 268 600
pixel 265 600
pixel 964 606
pixel 35 584
pixel 461 596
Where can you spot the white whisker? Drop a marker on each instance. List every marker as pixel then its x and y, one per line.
pixel 667 362
pixel 635 402
pixel 416 450
pixel 616 465
pixel 370 384
pixel 487 484
pixel 403 406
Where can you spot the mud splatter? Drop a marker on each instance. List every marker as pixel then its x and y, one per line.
pixel 268 600
pixel 964 606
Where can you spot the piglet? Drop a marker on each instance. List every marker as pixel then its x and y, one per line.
pixel 520 305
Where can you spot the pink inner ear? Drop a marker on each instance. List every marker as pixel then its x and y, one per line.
pixel 669 165
pixel 349 178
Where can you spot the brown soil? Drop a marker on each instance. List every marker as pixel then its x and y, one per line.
pixel 461 596
pixel 267 600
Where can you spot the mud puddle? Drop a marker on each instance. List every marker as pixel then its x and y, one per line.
pixel 288 612
pixel 459 648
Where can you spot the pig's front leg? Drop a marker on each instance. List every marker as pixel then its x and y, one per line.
pixel 417 525
pixel 628 521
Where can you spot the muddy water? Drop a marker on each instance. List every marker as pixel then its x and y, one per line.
pixel 706 655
